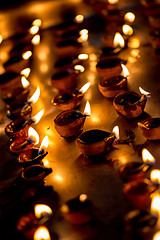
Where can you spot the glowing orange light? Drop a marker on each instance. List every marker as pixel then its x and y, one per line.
pixel 113 1
pixel 155 175
pixel 87 110
pixel 33 30
pixel 125 71
pixel 155 203
pixel 83 56
pixel 83 197
pixel 79 18
pixel 1 39
pixel 156 236
pixel 129 16
pixel 27 55
pixel 25 82
pixel 118 40
pixel 115 131
pixel 26 72
pixel 133 43
pixel 41 210
pixel 85 87
pixel 35 96
pixel 38 116
pixel 45 162
pixel 41 233
pixel 33 135
pixel 83 35
pixel 127 30
pixel 79 68
pixel 37 22
pixel 147 157
pixel 144 92
pixel 36 39
pixel 44 144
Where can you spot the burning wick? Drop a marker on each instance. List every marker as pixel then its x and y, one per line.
pixel 143 92
pixel 118 42
pixel 42 212
pixel 147 157
pixel 87 110
pixel 34 119
pixel 125 71
pixel 115 131
pixel 41 233
pixel 44 145
pixel 34 97
pixel 25 72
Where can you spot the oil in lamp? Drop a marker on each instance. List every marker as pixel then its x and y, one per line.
pixel 19 127
pixel 19 145
pixel 149 128
pixel 34 155
pixel 94 142
pixel 77 211
pixel 70 123
pixel 130 104
pixel 114 85
pixel 70 98
pixel 135 170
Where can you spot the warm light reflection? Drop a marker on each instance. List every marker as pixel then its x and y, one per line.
pixel 87 110
pixel 83 56
pixel 83 35
pixel 85 87
pixel 44 144
pixel 79 18
pixel 33 30
pixel 125 71
pixel 37 22
pixel 45 162
pixel 27 55
pixel 155 203
pixel 38 116
pixel 155 175
pixel 35 96
pixel 36 39
pixel 133 43
pixel 148 94
pixel 115 131
pixel 25 82
pixel 127 30
pixel 147 157
pixel 135 53
pixel 44 67
pixel 129 16
pixel 41 233
pixel 64 208
pixel 79 68
pixel 33 135
pixel 113 1
pixel 95 118
pixel 118 40
pixel 156 236
pixel 1 39
pixel 58 178
pixel 26 72
pixel 83 197
pixel 41 210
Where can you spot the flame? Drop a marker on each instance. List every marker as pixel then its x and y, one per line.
pixel 127 30
pixel 83 197
pixel 38 116
pixel 34 29
pixel 1 38
pixel 115 131
pixel 33 136
pixel 35 96
pixel 79 68
pixel 118 40
pixel 36 39
pixel 148 94
pixel 25 82
pixel 113 1
pixel 83 56
pixel 133 43
pixel 85 87
pixel 155 203
pixel 27 55
pixel 87 110
pixel 79 18
pixel 129 16
pixel 40 210
pixel 37 22
pixel 83 35
pixel 147 157
pixel 125 71
pixel 155 175
pixel 44 144
pixel 45 162
pixel 41 233
pixel 156 236
pixel 26 72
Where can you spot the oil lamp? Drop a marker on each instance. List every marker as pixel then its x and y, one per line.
pixel 70 98
pixel 19 145
pixel 20 49
pixel 70 123
pixel 114 85
pixel 34 155
pixel 115 43
pixel 69 47
pixel 135 170
pixel 64 27
pixel 77 211
pixel 149 128
pixel 19 127
pixel 65 63
pixel 130 104
pixel 94 142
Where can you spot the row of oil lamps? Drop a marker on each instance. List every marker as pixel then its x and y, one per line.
pixel 69 123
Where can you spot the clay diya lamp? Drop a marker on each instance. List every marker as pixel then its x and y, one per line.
pixel 9 80
pixel 94 142
pixel 64 27
pixel 18 62
pixel 69 35
pixel 69 47
pixel 35 173
pixel 33 155
pixel 150 128
pixel 64 80
pixel 130 104
pixel 65 63
pixel 21 48
pixel 154 21
pixel 70 98
pixel 155 39
pixel 139 192
pixel 77 211
pixel 109 67
pixel 70 123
